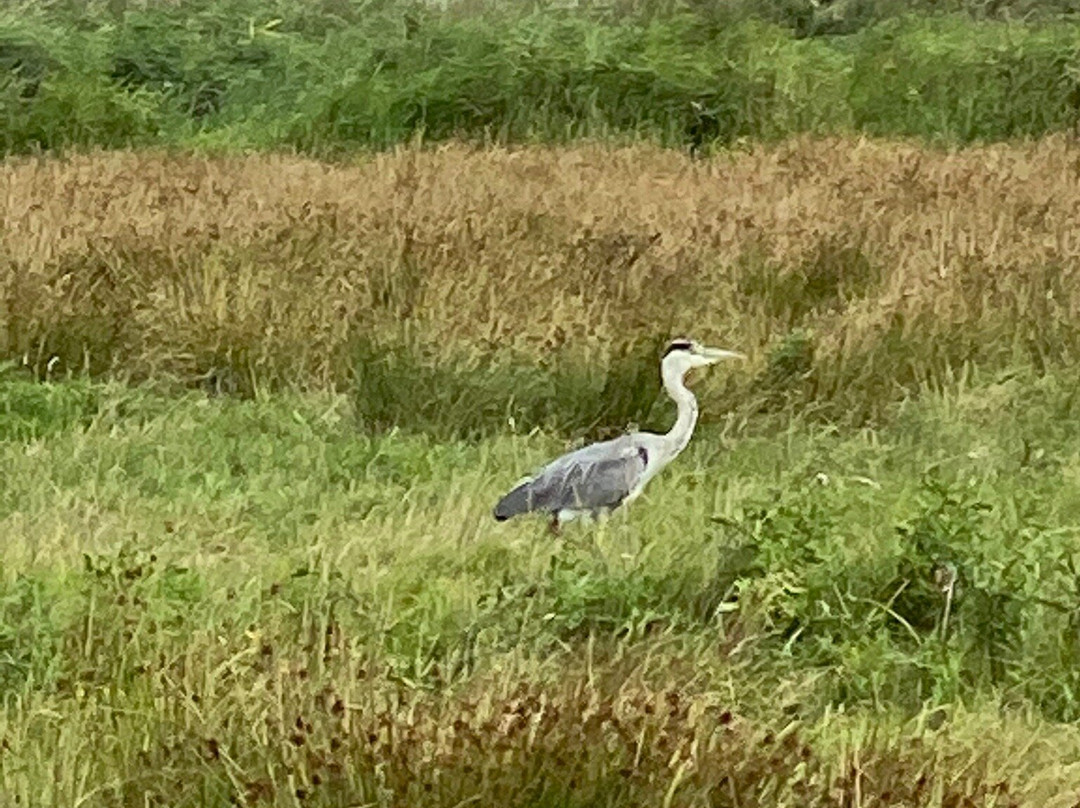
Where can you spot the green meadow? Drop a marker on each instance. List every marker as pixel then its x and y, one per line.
pixel 207 600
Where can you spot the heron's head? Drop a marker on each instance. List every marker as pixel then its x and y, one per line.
pixel 683 354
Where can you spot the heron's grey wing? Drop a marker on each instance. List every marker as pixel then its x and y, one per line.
pixel 594 477
pixel 601 483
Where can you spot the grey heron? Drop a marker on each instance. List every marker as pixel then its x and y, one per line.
pixel 600 477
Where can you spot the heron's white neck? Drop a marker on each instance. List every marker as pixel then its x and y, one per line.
pixel 679 435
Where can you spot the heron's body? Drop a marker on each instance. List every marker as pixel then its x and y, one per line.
pixel 598 478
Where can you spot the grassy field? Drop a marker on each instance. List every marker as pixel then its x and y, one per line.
pixel 257 410
pixel 207 599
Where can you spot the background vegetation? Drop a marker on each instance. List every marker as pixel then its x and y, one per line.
pixel 344 74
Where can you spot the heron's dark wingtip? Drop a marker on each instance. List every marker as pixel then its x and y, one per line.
pixel 517 501
pixel 500 511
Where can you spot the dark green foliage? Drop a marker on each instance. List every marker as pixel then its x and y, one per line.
pixel 960 603
pixel 188 66
pixel 55 92
pixel 29 640
pixel 939 544
pixel 334 76
pixel 787 375
pixel 24 62
pixel 995 82
pixel 31 411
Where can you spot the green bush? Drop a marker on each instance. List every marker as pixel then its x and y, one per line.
pixel 266 74
pixel 974 581
pixel 959 81
pixel 55 94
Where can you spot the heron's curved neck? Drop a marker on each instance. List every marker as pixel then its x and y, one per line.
pixel 679 435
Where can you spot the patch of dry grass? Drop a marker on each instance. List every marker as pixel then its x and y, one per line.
pixel 903 265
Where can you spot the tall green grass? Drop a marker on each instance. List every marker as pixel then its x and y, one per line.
pixel 257 602
pixel 259 74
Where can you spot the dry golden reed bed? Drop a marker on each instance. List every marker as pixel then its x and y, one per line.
pixel 904 263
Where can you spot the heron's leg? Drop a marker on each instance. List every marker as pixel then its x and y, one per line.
pixel 553 526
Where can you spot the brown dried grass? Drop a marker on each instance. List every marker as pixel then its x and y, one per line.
pixel 638 727
pixel 906 264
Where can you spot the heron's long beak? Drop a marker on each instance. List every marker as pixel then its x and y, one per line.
pixel 716 354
